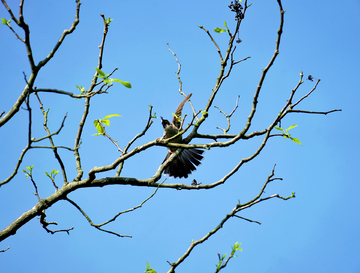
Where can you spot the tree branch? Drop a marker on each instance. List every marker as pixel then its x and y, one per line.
pixel 236 209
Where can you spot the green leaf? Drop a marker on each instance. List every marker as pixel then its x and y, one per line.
pixel 279 128
pixel 107 81
pixel 3 21
pixel 81 88
pixel 114 115
pixel 295 140
pixel 126 84
pixel 292 126
pixel 107 21
pixel 148 269
pixel 237 247
pixel 105 121
pixel 225 24
pixel 98 127
pixel 219 30
pixel 100 73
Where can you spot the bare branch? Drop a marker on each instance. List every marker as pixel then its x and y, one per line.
pixel 45 225
pixel 54 148
pixel 228 117
pixel 313 112
pixel 16 167
pixel 62 38
pixel 113 141
pixel 34 68
pixel 179 68
pixel 312 90
pixel 99 226
pixel 265 70
pixel 53 134
pixel 228 216
pixel 212 39
pixel 147 126
pixel 251 221
pixel 36 188
pixel 3 250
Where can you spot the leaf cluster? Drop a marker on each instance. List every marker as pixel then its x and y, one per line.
pixel 107 80
pixel 99 124
pixel 286 133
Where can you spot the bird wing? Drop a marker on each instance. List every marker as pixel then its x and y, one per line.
pixel 176 119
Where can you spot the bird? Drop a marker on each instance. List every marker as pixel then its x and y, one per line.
pixel 183 165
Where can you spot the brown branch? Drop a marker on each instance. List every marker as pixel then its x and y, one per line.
pixel 17 35
pixel 221 76
pixel 56 91
pixel 228 116
pixel 228 216
pixel 45 225
pixel 78 139
pixel 35 186
pixel 178 76
pixel 313 112
pixel 53 134
pixel 212 39
pixel 3 250
pixel 64 34
pixel 113 141
pixel 87 106
pixel 265 70
pixel 54 148
pixel 147 126
pixel 244 59
pixel 34 68
pixel 312 90
pixel 16 167
pixel 179 68
pixel 99 226
pixel 251 221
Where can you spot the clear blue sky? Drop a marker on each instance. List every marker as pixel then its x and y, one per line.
pixel 318 231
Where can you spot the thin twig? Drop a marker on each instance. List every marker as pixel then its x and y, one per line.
pixel 228 116
pixel 54 148
pixel 99 226
pixel 3 250
pixel 45 225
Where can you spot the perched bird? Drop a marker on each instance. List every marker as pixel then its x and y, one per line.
pixel 183 165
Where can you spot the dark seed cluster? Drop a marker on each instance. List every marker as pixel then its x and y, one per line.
pixel 236 7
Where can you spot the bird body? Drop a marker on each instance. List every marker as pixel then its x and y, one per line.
pixel 183 165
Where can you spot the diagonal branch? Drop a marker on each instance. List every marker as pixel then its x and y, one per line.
pixel 99 226
pixel 147 126
pixel 228 216
pixel 54 148
pixel 265 70
pixel 34 68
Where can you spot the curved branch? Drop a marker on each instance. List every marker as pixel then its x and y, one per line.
pixel 34 69
pixel 265 70
pixel 64 34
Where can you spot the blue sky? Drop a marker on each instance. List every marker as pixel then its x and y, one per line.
pixel 318 231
